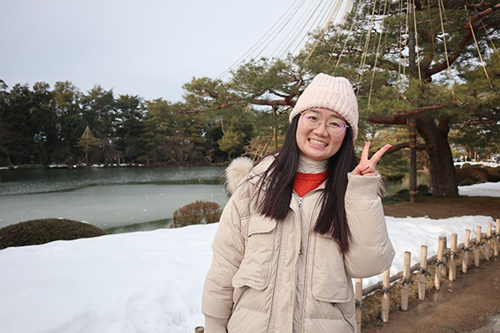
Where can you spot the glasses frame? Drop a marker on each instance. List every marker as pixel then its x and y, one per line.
pixel 320 121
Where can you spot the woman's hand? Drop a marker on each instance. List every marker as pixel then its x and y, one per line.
pixel 366 167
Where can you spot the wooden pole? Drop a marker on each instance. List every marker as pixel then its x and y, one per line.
pixel 423 273
pixel 358 294
pixel 452 263
pixel 275 125
pixel 497 237
pixel 412 123
pixel 385 298
pixel 439 263
pixel 406 281
pixel 478 244
pixel 444 272
pixel 488 241
pixel 465 261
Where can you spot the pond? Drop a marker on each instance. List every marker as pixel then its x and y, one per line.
pixel 392 187
pixel 120 199
pixel 115 199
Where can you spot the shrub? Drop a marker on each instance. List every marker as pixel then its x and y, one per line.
pixel 423 190
pixel 404 195
pixel 466 182
pixel 43 231
pixel 493 174
pixel 401 195
pixel 474 174
pixel 198 212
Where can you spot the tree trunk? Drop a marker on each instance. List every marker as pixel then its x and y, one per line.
pixel 442 170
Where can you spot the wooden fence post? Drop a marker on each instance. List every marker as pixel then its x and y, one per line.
pixel 439 263
pixel 385 298
pixel 406 281
pixel 444 272
pixel 465 261
pixel 488 241
pixel 358 295
pixel 497 237
pixel 453 255
pixel 423 272
pixel 478 244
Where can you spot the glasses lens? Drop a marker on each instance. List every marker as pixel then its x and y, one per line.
pixel 311 120
pixel 334 126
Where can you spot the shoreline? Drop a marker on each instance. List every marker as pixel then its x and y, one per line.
pixel 111 166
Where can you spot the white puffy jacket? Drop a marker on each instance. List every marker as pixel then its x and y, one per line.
pixel 268 276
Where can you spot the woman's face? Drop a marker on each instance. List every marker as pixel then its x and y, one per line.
pixel 319 144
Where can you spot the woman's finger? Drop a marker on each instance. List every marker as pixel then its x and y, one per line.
pixel 360 168
pixel 378 155
pixel 366 167
pixel 365 152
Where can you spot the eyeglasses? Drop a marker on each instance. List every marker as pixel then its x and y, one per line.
pixel 312 119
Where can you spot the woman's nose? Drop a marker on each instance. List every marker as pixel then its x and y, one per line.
pixel 321 130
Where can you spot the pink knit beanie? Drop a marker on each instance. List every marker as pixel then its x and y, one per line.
pixel 334 93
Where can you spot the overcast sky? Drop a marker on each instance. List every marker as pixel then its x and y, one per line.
pixel 148 48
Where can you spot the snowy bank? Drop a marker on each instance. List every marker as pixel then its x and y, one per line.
pixel 482 190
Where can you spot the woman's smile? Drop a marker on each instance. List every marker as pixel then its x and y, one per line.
pixel 318 143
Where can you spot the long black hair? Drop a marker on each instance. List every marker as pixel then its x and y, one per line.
pixel 278 183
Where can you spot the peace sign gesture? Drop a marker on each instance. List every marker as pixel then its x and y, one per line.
pixel 366 167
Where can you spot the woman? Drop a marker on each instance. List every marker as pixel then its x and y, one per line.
pixel 300 225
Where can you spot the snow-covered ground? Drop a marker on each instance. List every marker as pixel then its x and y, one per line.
pixel 152 281
pixel 481 163
pixel 483 190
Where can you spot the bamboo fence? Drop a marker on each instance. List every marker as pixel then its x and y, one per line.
pixel 446 261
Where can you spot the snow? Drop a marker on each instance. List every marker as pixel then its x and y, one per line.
pixel 484 190
pixel 152 281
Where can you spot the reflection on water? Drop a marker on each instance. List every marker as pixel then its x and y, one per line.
pixel 107 198
pixel 392 187
pixel 146 226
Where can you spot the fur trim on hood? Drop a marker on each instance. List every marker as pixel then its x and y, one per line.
pixel 236 172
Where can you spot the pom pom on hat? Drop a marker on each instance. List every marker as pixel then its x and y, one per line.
pixel 333 93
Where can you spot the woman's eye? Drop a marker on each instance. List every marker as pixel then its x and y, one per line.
pixel 312 118
pixel 334 124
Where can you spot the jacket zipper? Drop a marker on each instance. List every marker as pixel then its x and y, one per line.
pixel 306 254
pixel 343 315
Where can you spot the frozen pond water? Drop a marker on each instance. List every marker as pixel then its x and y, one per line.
pixel 106 198
pixel 109 205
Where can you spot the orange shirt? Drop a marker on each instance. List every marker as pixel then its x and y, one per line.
pixel 306 182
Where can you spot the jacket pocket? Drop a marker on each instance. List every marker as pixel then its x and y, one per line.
pixel 329 279
pixel 254 270
pixel 348 319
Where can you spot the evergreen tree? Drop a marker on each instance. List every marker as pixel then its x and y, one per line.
pixel 129 126
pixel 70 125
pixel 88 142
pixel 399 59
